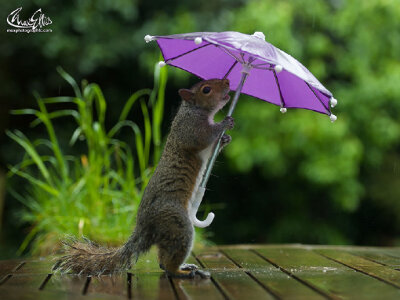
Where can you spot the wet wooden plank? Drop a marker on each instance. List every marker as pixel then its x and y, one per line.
pixel 278 282
pixel 148 281
pixel 18 293
pixel 143 285
pixel 27 281
pixel 272 271
pixel 394 252
pixel 115 285
pixel 152 286
pixel 37 266
pixel 65 283
pixel 366 266
pixel 334 279
pixel 8 266
pixel 379 257
pixel 196 288
pixel 232 280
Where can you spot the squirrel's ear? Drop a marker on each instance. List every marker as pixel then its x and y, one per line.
pixel 186 95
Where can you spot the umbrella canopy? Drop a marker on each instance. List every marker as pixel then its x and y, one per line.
pixel 276 76
pixel 254 67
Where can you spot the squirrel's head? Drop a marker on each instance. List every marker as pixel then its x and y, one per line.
pixel 211 94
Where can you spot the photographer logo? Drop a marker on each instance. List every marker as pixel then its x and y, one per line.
pixel 34 24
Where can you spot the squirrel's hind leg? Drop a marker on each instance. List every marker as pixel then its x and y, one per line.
pixel 171 262
pixel 174 269
pixel 174 245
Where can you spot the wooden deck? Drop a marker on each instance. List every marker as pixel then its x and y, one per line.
pixel 238 272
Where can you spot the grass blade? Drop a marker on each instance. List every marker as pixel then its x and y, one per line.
pixel 71 81
pixel 23 141
pixel 132 99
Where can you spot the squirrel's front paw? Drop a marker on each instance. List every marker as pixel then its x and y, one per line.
pixel 229 122
pixel 225 140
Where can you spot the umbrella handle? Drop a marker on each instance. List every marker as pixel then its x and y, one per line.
pixel 195 206
pixel 202 188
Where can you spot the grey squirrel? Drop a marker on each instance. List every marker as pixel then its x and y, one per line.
pixel 163 214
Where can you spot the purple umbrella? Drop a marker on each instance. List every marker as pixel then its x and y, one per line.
pixel 253 67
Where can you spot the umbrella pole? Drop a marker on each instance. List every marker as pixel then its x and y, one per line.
pixel 217 147
pixel 198 196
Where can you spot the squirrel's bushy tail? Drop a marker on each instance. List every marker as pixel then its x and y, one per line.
pixel 86 257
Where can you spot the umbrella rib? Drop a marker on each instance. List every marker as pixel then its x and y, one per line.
pixel 230 69
pixel 229 53
pixel 258 65
pixel 319 99
pixel 279 88
pixel 190 51
pixel 260 68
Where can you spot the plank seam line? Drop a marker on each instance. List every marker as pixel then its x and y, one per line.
pixel 86 286
pixel 19 266
pixel 195 257
pixel 173 287
pixel 228 257
pixel 43 284
pixel 393 267
pixel 129 284
pixel 360 271
pixel 370 259
pixel 295 277
pixel 219 288
pixel 251 276
pixel 5 278
pixel 262 285
pixel 391 255
pixel 375 261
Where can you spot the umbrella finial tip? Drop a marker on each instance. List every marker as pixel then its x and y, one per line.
pixel 148 38
pixel 333 102
pixel 161 64
pixel 198 40
pixel 283 110
pixel 333 118
pixel 278 68
pixel 259 34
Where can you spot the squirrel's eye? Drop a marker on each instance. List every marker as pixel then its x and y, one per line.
pixel 206 90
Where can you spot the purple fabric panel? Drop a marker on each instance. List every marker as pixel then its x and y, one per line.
pixel 297 93
pixel 171 48
pixel 208 62
pixel 324 98
pixel 261 84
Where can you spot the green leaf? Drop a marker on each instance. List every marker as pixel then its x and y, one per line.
pixel 23 141
pixel 132 99
pixel 41 184
pixel 71 81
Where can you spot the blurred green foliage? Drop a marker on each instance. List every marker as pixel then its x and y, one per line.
pixel 284 178
pixel 354 49
pixel 96 193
